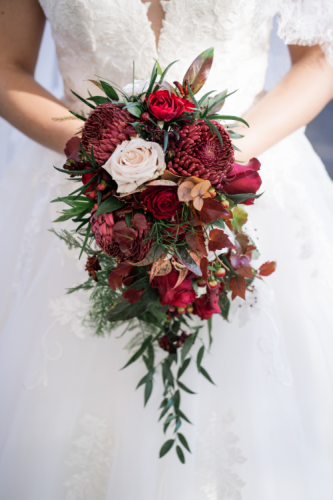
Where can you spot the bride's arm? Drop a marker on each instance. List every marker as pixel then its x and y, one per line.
pixel 294 102
pixel 23 102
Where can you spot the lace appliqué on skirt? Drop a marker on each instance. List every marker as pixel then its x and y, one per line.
pixel 91 458
pixel 219 455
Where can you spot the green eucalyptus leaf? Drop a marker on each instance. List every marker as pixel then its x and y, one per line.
pixel 135 111
pixel 166 447
pixel 139 352
pixel 180 454
pixel 148 390
pixel 184 417
pixel 183 441
pixel 184 388
pixel 224 304
pixel 183 367
pixel 186 347
pixel 206 375
pixel 200 356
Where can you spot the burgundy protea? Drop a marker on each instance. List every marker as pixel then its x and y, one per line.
pixel 117 240
pixel 199 153
pixel 105 129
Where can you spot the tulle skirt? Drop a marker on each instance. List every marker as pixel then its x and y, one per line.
pixel 72 425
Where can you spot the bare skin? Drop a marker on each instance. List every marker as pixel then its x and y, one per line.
pixel 294 102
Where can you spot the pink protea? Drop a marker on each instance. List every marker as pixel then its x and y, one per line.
pixel 102 229
pixel 105 129
pixel 199 153
pixel 119 241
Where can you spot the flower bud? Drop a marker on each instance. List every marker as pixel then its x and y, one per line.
pixel 180 310
pixel 96 206
pixel 225 203
pixel 189 309
pixel 201 282
pixel 101 186
pixel 212 192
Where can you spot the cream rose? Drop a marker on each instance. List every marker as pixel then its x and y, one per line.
pixel 135 162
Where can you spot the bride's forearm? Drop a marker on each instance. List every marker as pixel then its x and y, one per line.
pixel 31 109
pixel 294 102
pixel 23 102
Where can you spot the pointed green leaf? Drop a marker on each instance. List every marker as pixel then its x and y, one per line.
pixel 180 454
pixel 166 447
pixel 148 390
pixel 109 205
pixel 183 440
pixel 183 367
pixel 183 386
pixel 210 324
pixel 186 347
pixel 206 375
pixel 139 352
pixel 198 71
pixel 83 100
pixel 80 117
pixel 184 417
pixel 200 356
pixel 85 240
pixel 109 91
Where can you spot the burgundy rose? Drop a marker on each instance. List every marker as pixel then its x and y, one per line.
pixel 243 179
pixel 180 296
pixel 161 201
pixel 208 304
pixel 165 106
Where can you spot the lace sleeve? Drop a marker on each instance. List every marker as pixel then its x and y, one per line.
pixel 307 22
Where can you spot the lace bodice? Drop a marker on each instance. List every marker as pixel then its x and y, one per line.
pixel 104 37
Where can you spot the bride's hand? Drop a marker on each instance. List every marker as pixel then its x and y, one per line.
pixel 294 102
pixel 23 102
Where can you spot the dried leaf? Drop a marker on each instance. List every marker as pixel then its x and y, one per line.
pixel 162 182
pixel 200 189
pixel 115 281
pixel 95 82
pixel 198 72
pixel 204 268
pixel 219 240
pixel 196 240
pixel 169 176
pixel 239 217
pixel 139 221
pixel 198 203
pixel 184 191
pixel 242 242
pixel 238 287
pixel 190 260
pixel 212 210
pixel 267 268
pixel 123 235
pixel 160 267
pixel 217 102
pixel 154 254
pixel 181 277
pixel 133 295
pixel 245 270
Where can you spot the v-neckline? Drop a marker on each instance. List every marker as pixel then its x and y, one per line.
pixel 147 6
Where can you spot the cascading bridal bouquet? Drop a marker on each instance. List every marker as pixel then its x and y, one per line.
pixel 159 216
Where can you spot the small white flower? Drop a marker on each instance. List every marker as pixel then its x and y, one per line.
pixel 135 162
pixel 138 87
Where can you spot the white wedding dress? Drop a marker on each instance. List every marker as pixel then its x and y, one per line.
pixel 72 427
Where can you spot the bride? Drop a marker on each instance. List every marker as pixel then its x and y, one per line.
pixel 71 425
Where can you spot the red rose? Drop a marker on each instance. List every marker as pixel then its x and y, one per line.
pixel 243 179
pixel 208 304
pixel 161 201
pixel 180 296
pixel 165 106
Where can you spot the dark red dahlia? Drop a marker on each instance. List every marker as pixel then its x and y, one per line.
pixel 105 129
pixel 199 152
